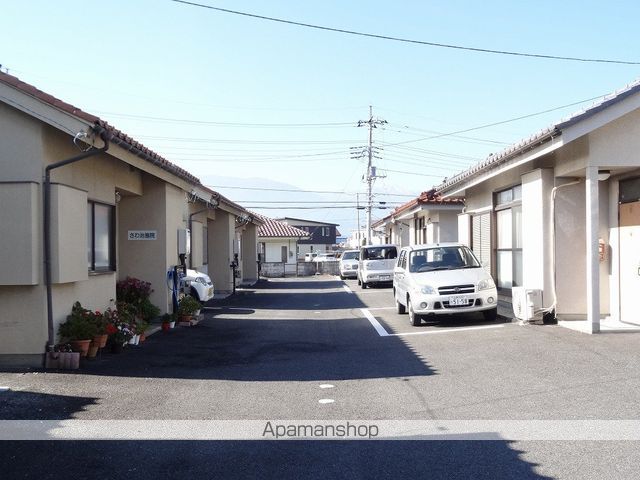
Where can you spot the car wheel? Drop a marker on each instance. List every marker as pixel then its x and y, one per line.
pixel 490 315
pixel 342 277
pixel 363 285
pixel 399 307
pixel 414 319
pixel 358 278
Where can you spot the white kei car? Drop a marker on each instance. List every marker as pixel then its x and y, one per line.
pixel 201 285
pixel 442 279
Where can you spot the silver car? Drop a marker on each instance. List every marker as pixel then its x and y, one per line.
pixel 441 279
pixel 349 264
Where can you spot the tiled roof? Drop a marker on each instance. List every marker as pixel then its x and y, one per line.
pixel 425 198
pixel 541 136
pixel 274 228
pixel 118 137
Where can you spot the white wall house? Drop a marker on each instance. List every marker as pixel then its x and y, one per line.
pixel 278 242
pixel 559 213
pixel 429 218
pixel 113 209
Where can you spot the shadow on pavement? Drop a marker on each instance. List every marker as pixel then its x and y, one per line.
pixel 320 460
pixel 22 405
pixel 246 349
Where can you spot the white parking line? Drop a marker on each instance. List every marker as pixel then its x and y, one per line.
pixel 347 289
pixel 372 320
pixel 383 333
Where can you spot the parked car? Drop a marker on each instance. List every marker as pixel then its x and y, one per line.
pixel 201 285
pixel 325 257
pixel 349 264
pixel 308 257
pixel 375 264
pixel 442 279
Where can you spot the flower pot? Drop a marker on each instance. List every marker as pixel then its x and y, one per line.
pixel 81 346
pixel 132 340
pixel 93 349
pixel 101 340
pixel 172 324
pixel 165 326
pixel 116 347
pixel 143 337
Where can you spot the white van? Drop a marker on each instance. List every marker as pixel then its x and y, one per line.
pixel 376 263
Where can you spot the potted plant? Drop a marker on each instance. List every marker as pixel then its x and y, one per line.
pixel 168 321
pixel 187 307
pixel 79 329
pixel 119 327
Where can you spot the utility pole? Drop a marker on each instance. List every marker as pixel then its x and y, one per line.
pixel 371 170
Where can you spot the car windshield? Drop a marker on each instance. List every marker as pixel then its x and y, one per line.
pixel 349 255
pixel 442 258
pixel 379 253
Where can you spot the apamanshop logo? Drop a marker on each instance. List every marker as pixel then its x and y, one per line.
pixel 320 430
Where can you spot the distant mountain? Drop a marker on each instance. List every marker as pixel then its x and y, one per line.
pixel 268 197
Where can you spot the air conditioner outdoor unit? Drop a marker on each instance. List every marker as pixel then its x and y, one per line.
pixel 527 303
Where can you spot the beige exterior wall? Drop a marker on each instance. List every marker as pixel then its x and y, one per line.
pixel 20 251
pixel 249 253
pixel 149 260
pixel 68 232
pixel 570 255
pixel 221 238
pixel 20 144
pixel 23 328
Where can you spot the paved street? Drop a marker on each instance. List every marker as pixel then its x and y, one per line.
pixel 326 350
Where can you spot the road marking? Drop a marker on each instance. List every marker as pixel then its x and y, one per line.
pixel 327 385
pixel 347 289
pixel 326 400
pixel 372 320
pixel 381 308
pixel 448 330
pixel 383 333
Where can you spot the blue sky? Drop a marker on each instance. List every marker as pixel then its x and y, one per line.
pixel 175 77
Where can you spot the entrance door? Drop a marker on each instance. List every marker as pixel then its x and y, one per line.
pixel 629 261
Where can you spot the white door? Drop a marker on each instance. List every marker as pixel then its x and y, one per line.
pixel 629 261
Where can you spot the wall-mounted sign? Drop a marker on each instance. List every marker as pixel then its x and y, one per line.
pixel 142 235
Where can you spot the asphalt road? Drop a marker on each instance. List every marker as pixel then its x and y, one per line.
pixel 325 351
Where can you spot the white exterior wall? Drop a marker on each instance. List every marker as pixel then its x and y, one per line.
pixel 537 267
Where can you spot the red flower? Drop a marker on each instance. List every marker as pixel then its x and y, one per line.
pixel 111 328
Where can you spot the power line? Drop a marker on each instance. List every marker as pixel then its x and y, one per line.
pixel 303 191
pixel 227 124
pixel 406 40
pixel 491 124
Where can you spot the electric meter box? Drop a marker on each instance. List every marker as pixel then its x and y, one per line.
pixel 184 241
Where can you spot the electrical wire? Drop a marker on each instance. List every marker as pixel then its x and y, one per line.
pixel 304 191
pixel 229 124
pixel 406 40
pixel 522 117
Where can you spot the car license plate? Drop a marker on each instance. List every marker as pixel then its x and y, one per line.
pixel 385 277
pixel 458 301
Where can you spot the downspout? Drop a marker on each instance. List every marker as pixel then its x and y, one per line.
pixel 47 222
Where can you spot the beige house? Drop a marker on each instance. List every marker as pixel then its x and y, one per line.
pixel 557 215
pixel 428 218
pixel 84 205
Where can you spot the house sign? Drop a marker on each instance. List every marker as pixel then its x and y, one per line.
pixel 142 235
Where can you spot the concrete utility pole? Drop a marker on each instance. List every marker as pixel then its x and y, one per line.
pixel 371 170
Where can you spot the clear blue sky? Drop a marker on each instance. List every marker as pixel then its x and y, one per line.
pixel 123 60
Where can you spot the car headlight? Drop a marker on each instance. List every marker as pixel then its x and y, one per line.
pixel 486 284
pixel 428 290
